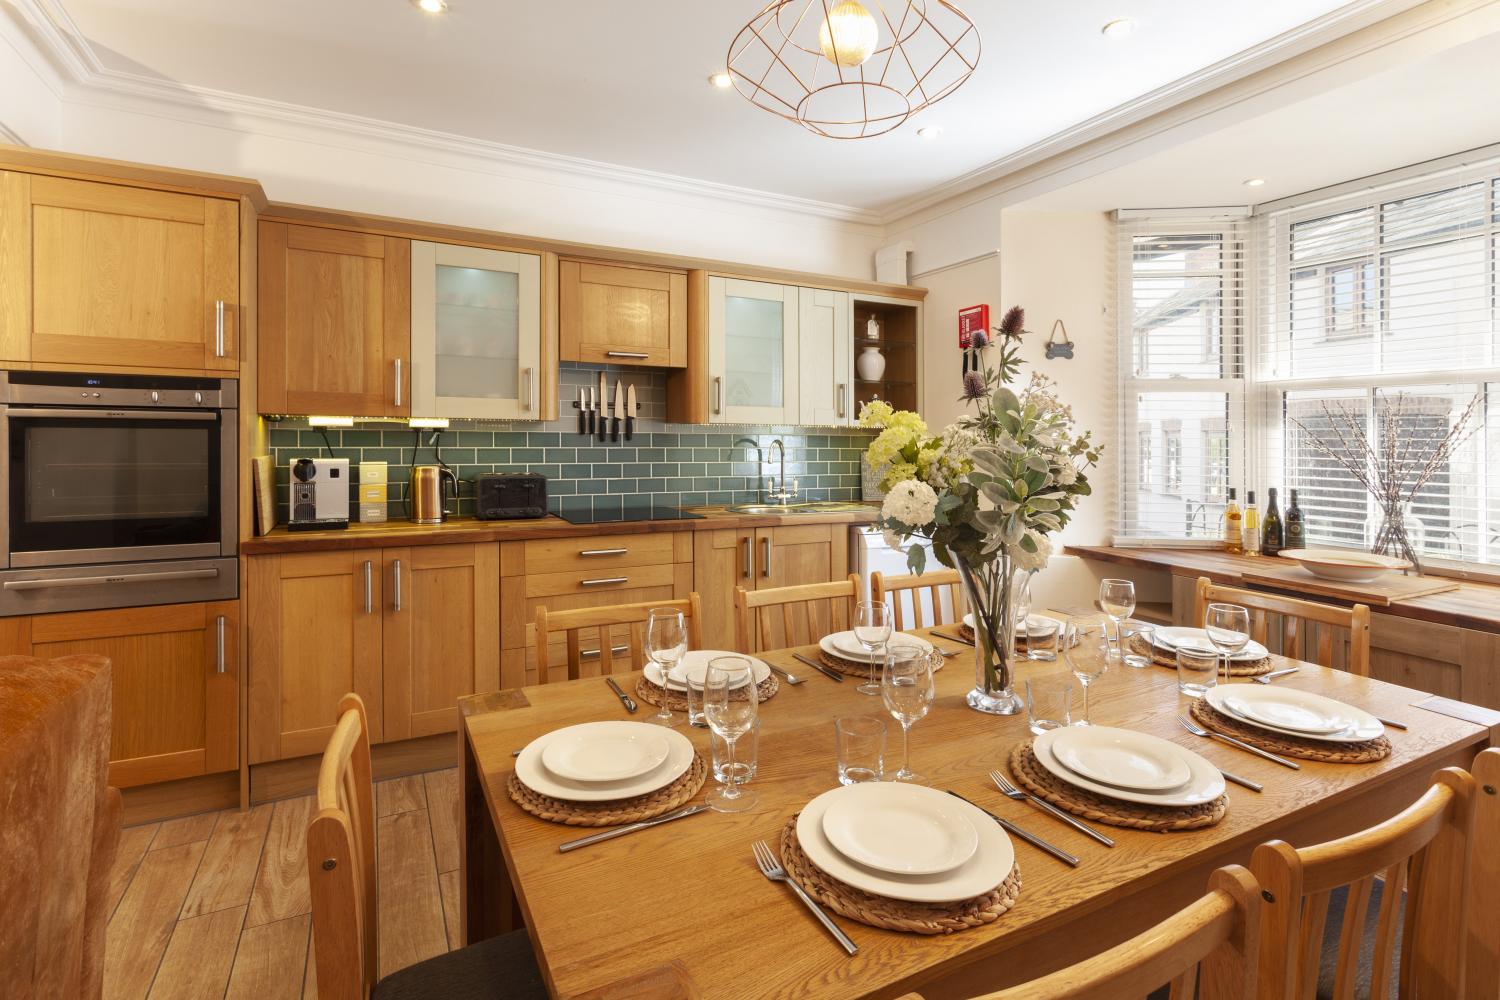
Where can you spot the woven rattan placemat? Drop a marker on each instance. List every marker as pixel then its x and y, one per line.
pixel 967 632
pixel 1237 668
pixel 1159 819
pixel 1291 746
pixel 894 914
pixel 851 668
pixel 677 700
pixel 616 811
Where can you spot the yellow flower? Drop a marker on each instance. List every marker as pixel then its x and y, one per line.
pixel 875 413
pixel 898 473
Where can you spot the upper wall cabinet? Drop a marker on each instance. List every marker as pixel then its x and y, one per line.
pixel 476 333
pixel 104 274
pixel 823 350
pixel 335 322
pixel 620 314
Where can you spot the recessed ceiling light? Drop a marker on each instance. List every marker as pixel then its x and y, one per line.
pixel 1119 27
pixel 930 132
pixel 433 6
pixel 721 80
pixel 1255 182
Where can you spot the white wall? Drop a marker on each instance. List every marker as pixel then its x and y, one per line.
pixel 29 105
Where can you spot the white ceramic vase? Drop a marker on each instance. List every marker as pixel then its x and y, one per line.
pixel 870 365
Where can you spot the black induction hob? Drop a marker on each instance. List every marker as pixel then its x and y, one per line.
pixel 628 514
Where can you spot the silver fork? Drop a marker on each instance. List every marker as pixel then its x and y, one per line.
pixel 1198 730
pixel 790 678
pixel 1012 792
pixel 770 867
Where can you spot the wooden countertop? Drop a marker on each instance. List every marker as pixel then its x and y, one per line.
pixel 1472 605
pixel 469 530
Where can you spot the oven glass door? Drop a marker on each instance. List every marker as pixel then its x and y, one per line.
pixel 112 484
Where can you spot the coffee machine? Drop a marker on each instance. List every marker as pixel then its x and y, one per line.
pixel 319 494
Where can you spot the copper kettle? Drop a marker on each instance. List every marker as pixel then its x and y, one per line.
pixel 427 493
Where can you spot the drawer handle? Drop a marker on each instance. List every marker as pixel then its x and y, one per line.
pixel 396 579
pixel 603 580
pixel 592 654
pixel 749 557
pixel 369 592
pixel 602 552
pixel 219 663
pixel 765 556
pixel 626 354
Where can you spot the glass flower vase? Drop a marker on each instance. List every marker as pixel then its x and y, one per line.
pixel 992 590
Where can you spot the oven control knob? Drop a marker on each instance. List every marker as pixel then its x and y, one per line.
pixel 96 395
pixel 197 397
pixel 155 396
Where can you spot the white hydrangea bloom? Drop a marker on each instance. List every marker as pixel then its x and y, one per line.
pixel 911 502
pixel 892 540
pixel 1033 560
pixel 1067 475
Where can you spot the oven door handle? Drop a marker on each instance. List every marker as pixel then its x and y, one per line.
pixel 96 581
pixel 103 413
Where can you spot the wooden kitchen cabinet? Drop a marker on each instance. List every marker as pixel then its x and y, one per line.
pixel 108 274
pixel 315 634
pixel 441 634
pixel 760 559
pixel 621 314
pixel 335 322
pixel 174 676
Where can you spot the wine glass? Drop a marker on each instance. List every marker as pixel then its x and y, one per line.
pixel 873 623
pixel 666 642
pixel 1086 648
pixel 907 689
pixel 730 718
pixel 1228 628
pixel 1117 599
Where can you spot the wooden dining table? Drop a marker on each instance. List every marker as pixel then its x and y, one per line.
pixel 681 908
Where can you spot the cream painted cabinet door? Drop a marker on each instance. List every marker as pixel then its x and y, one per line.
pixel 105 274
pixel 824 345
pixel 752 352
pixel 442 633
pixel 476 332
pixel 314 637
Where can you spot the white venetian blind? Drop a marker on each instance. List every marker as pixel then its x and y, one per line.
pixel 1380 306
pixel 1180 317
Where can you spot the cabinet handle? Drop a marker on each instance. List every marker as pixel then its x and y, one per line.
pixel 526 377
pixel 369 590
pixel 841 400
pixel 765 556
pixel 626 354
pixel 589 654
pixel 718 394
pixel 396 581
pixel 603 580
pixel 749 557
pixel 602 552
pixel 398 381
pixel 219 328
pixel 219 663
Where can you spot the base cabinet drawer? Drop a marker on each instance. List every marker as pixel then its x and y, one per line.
pixel 590 555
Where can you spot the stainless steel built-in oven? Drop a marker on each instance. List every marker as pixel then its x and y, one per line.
pixel 119 490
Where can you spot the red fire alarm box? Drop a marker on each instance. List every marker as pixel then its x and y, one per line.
pixel 971 320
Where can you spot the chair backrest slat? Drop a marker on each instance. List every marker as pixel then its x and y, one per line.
pixel 933 583
pixel 1483 947
pixel 605 621
pixel 819 607
pixel 1392 897
pixel 1355 619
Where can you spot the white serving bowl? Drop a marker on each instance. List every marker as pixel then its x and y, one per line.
pixel 1345 565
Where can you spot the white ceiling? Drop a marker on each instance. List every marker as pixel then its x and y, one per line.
pixel 625 83
pixel 1410 113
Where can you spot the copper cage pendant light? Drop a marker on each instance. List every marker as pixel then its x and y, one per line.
pixel 852 69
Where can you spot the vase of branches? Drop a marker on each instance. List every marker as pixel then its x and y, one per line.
pixel 1394 465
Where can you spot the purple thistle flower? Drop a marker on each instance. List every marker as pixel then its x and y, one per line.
pixel 979 339
pixel 1014 321
pixel 974 387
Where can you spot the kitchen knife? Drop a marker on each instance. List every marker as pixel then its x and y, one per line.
pixel 591 411
pixel 617 411
pixel 631 409
pixel 583 414
pixel 603 420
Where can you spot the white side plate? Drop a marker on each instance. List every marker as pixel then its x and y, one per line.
pixel 1204 784
pixel 605 751
pixel 534 774
pixel 1120 758
pixel 903 829
pixel 1169 638
pixel 1361 724
pixel 695 662
pixel 846 647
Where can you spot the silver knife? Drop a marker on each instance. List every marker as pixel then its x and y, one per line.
pixel 625 699
pixel 591 411
pixel 620 831
pixel 583 414
pixel 1030 838
pixel 819 668
pixel 632 411
pixel 603 427
pixel 617 411
pixel 955 637
pixel 1254 786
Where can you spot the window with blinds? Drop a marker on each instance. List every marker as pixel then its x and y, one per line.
pixel 1180 298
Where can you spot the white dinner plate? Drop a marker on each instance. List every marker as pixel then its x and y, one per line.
pixel 1361 725
pixel 900 829
pixel 846 647
pixel 695 663
pixel 1035 624
pixel 988 867
pixel 605 751
pixel 1204 783
pixel 534 774
pixel 1170 637
pixel 1120 758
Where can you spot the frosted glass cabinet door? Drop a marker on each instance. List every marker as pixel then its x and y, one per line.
pixel 475 332
pixel 825 371
pixel 752 352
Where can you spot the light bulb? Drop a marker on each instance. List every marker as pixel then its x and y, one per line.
pixel 433 6
pixel 849 34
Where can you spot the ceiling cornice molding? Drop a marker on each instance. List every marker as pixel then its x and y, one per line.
pixel 93 83
pixel 8 134
pixel 1288 45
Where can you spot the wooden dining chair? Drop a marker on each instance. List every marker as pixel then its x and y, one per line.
pixel 1482 949
pixel 1208 949
pixel 1296 615
pixel 605 622
pixel 1418 864
pixel 819 608
pixel 935 584
pixel 341 879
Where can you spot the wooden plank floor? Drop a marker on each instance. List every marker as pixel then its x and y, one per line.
pixel 217 905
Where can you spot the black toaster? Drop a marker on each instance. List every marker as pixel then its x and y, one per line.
pixel 507 495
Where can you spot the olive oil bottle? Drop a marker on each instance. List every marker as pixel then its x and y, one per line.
pixel 1296 530
pixel 1233 525
pixel 1250 536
